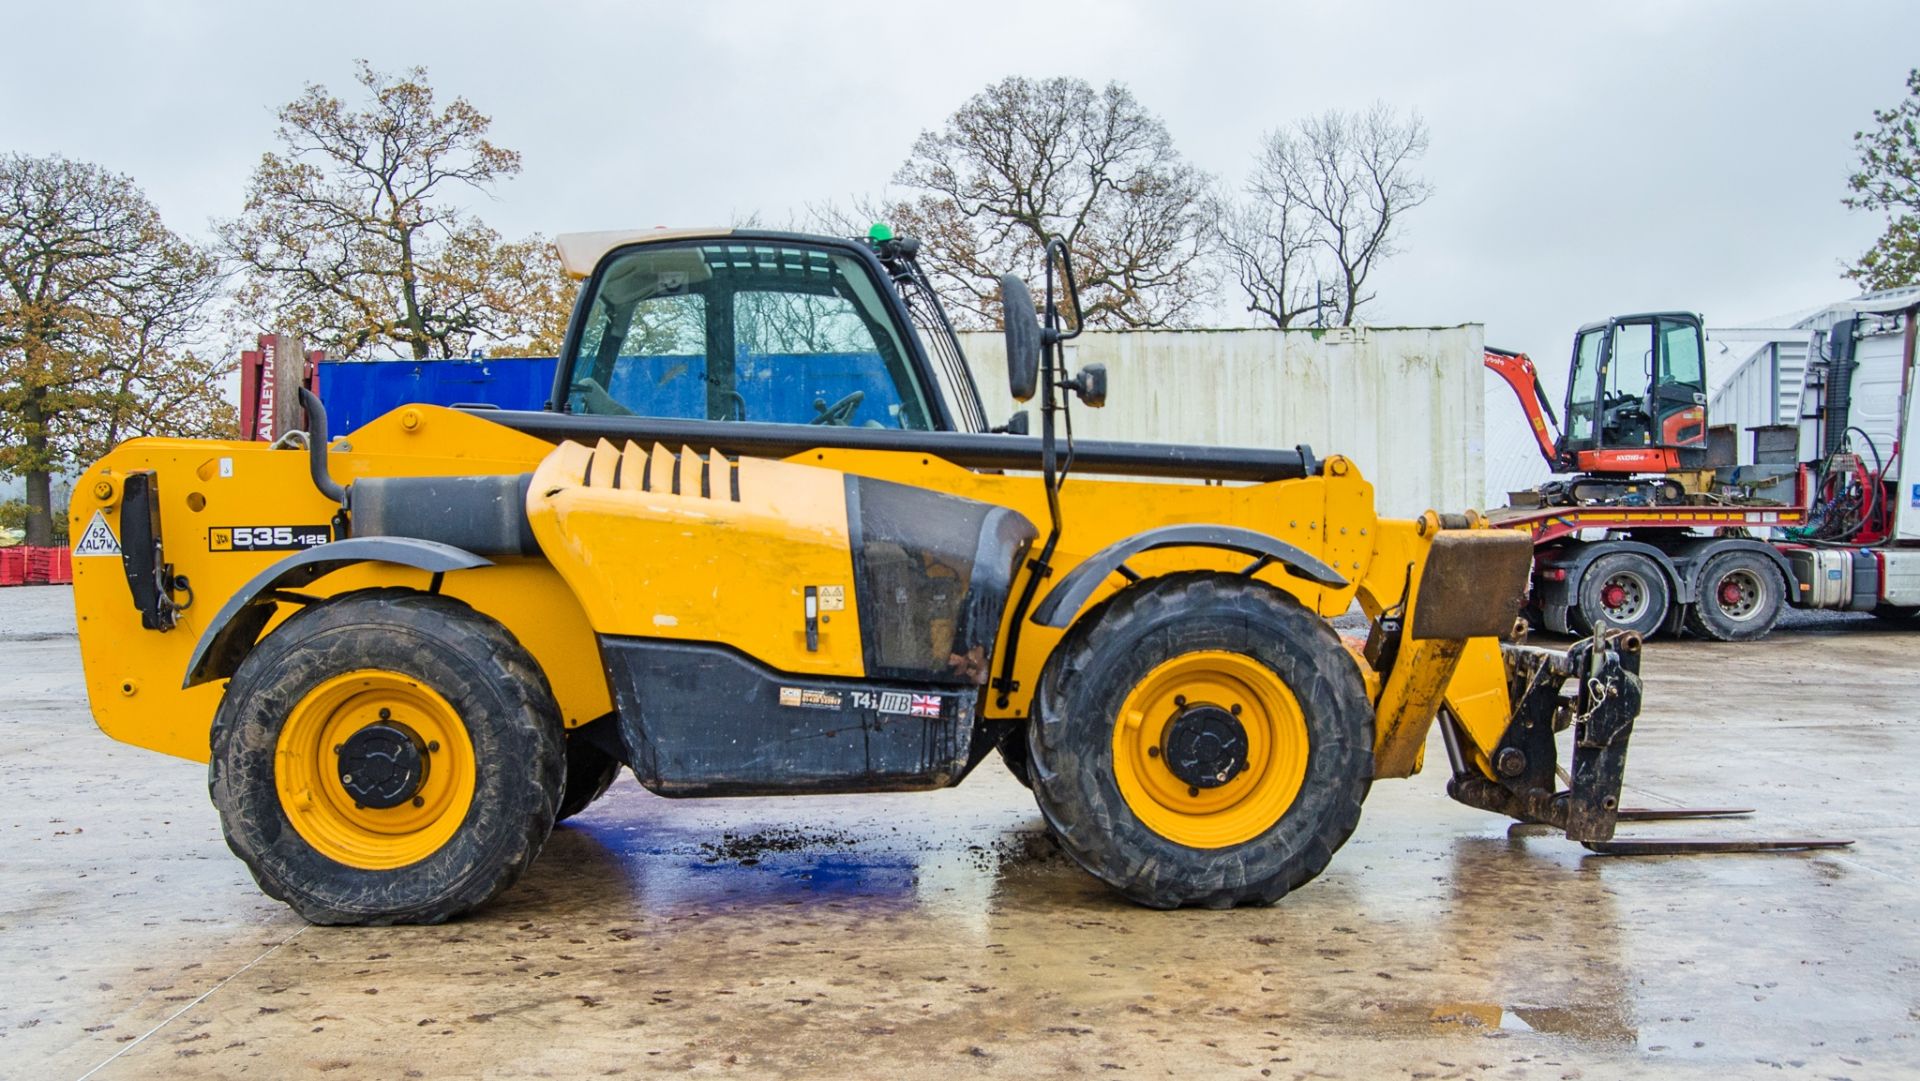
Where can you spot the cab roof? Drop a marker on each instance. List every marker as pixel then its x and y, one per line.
pixel 581 252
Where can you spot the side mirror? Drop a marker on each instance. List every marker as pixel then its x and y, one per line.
pixel 1023 337
pixel 1090 385
pixel 1015 425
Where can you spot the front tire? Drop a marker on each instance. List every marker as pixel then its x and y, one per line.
pixel 1201 739
pixel 385 757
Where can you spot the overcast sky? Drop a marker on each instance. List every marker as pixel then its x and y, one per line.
pixel 1588 159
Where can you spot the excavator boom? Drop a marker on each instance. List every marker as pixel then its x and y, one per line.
pixel 1518 372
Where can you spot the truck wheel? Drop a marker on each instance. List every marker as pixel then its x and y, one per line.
pixel 1201 739
pixel 1624 590
pixel 590 772
pixel 386 757
pixel 1739 599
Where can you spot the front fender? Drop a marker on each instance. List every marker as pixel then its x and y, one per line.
pixel 1064 600
pixel 237 625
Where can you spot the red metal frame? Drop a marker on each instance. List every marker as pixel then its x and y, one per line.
pixel 1548 524
pixel 257 390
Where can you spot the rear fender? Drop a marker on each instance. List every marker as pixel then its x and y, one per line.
pixel 236 627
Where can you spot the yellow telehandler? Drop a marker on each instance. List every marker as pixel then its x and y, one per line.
pixel 762 542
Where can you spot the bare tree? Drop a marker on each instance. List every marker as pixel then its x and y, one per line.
pixel 1269 246
pixel 349 235
pixel 1324 208
pixel 1026 159
pixel 99 304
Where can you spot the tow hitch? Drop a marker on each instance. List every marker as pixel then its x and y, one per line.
pixel 1593 688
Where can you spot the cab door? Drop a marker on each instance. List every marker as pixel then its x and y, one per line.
pixel 1678 400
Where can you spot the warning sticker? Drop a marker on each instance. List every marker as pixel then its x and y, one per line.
pixel 833 598
pixel 98 540
pixel 810 698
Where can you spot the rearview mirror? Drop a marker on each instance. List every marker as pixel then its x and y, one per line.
pixel 1023 337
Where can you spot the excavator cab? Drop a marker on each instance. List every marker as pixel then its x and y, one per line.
pixel 1637 398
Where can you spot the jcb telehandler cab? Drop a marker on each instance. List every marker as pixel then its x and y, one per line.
pixel 763 543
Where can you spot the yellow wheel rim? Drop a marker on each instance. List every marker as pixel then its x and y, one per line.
pixel 1247 805
pixel 307 774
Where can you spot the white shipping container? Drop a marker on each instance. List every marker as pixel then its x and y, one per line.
pixel 1404 403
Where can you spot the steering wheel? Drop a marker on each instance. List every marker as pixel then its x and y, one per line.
pixel 840 413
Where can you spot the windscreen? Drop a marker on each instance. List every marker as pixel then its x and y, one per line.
pixel 771 333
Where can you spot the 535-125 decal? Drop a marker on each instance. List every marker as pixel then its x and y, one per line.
pixel 266 538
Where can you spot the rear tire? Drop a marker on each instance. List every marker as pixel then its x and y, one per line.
pixel 1625 591
pixel 481 718
pixel 1739 599
pixel 1134 814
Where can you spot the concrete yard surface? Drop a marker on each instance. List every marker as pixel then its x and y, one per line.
pixel 942 935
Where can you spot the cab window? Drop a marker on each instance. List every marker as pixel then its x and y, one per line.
pixel 770 333
pixel 1680 354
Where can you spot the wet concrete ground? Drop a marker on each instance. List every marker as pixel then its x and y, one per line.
pixel 941 936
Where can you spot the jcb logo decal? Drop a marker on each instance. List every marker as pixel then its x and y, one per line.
pixel 266 538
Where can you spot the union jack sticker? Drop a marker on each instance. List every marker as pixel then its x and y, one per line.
pixel 925 705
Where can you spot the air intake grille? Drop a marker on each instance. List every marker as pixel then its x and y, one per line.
pixel 662 472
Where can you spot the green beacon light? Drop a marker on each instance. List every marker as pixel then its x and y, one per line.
pixel 880 233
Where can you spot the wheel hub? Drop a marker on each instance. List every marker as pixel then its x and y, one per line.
pixel 1730 593
pixel 1613 595
pixel 382 765
pixel 1206 746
